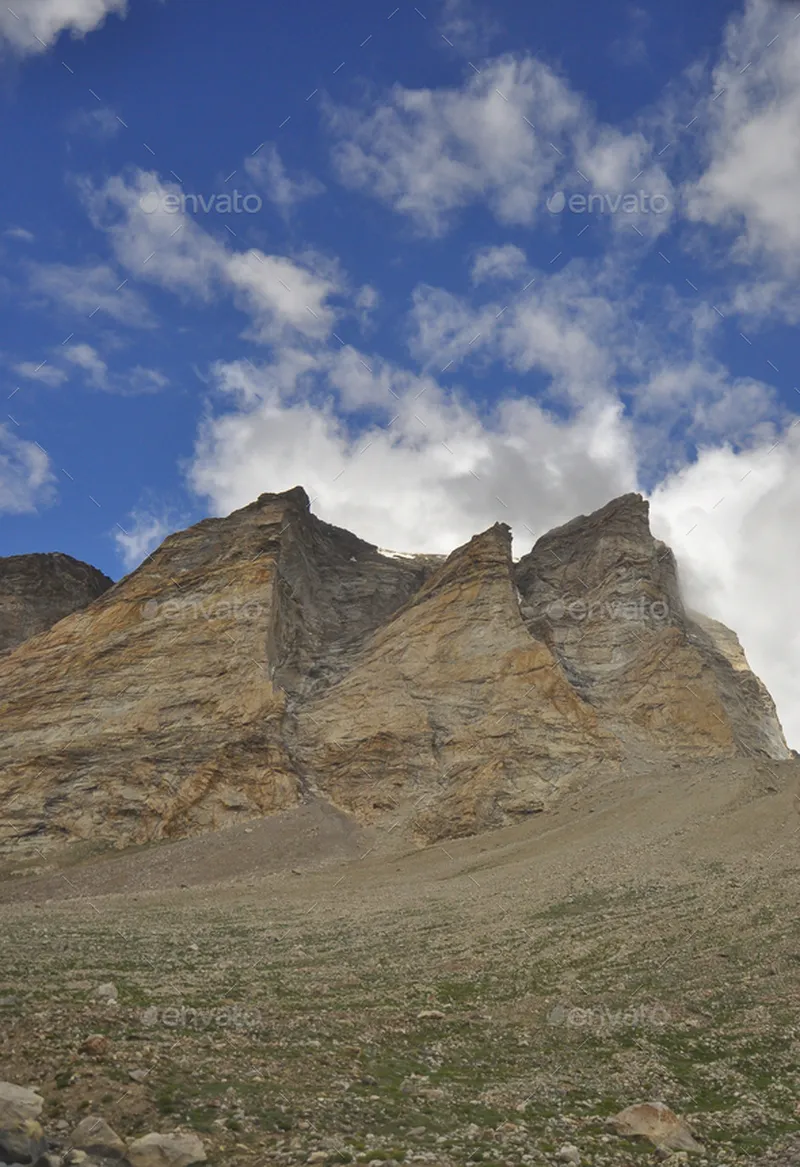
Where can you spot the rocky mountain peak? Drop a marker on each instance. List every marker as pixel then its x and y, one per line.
pixel 268 658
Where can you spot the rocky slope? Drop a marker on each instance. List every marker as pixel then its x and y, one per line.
pixel 268 658
pixel 36 591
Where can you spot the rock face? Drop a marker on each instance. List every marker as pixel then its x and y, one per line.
pixel 604 595
pixel 36 591
pixel 267 658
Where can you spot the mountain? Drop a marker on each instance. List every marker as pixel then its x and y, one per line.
pixel 269 658
pixel 36 591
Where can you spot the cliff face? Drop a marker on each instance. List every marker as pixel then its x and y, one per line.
pixel 36 591
pixel 261 659
pixel 603 593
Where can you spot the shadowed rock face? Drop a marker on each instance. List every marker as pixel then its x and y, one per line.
pixel 36 591
pixel 262 659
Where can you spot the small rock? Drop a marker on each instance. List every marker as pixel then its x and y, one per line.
pixel 317 1157
pixel 96 1045
pixel 569 1154
pixel 138 1075
pixel 417 1130
pixel 431 1015
pixel 173 1150
pixel 94 1134
pixel 106 992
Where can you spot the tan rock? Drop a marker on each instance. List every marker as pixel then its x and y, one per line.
pixel 170 1150
pixel 656 1122
pixel 258 660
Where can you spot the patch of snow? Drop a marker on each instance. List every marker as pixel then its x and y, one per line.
pixel 396 554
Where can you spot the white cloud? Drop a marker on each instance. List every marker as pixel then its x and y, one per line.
pixel 498 263
pixel 282 296
pixel 86 358
pixel 34 25
pixel 730 518
pixel 47 374
pixel 26 477
pixel 144 532
pixel 428 153
pixel 428 475
pixel 513 135
pixel 88 290
pixel 269 173
pixel 567 326
pixel 751 179
pixel 143 380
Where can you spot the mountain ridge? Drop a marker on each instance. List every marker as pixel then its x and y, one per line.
pixel 259 660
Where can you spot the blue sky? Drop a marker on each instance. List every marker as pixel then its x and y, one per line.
pixel 442 265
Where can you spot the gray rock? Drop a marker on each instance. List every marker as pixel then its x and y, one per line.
pixel 170 1150
pixel 94 1134
pixel 569 1154
pixel 36 591
pixel 18 1103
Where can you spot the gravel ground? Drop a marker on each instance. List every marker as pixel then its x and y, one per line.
pixel 490 1000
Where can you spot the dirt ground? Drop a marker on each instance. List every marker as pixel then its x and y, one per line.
pixel 302 985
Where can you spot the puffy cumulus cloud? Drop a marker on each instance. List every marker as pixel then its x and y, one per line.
pixel 428 153
pixel 751 175
pixel 511 136
pixel 27 480
pixel 730 517
pixel 34 25
pixel 425 476
pixel 269 173
pixel 155 238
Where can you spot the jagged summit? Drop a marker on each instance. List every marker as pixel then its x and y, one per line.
pixel 268 658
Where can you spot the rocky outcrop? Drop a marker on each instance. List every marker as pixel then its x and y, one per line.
pixel 604 595
pixel 268 658
pixel 36 591
pixel 451 713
